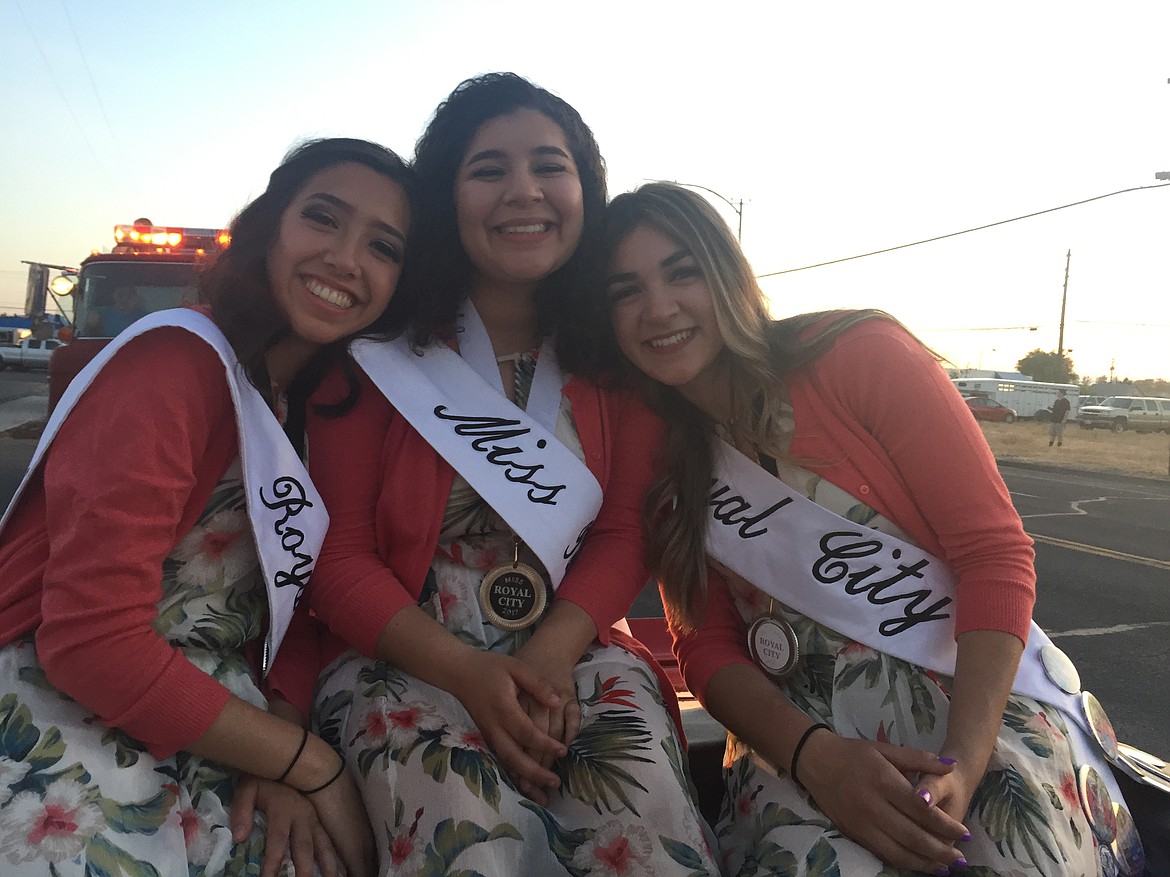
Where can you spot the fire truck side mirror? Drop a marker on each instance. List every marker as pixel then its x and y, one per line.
pixel 64 284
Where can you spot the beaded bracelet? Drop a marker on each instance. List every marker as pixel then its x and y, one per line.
pixel 819 726
pixel 328 782
pixel 295 758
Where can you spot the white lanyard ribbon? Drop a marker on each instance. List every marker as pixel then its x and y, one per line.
pixel 276 486
pixel 536 484
pixel 544 397
pixel 871 587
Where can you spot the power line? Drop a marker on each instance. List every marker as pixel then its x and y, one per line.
pixel 61 92
pixel 85 63
pixel 964 231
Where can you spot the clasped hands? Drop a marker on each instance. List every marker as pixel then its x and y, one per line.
pixel 902 804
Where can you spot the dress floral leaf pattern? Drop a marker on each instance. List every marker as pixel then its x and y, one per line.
pixel 78 799
pixel 592 770
pixel 454 838
pixel 1014 816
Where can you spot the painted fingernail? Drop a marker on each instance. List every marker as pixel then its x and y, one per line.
pixel 960 863
pixel 966 837
pixel 925 795
pixel 943 760
pixel 942 870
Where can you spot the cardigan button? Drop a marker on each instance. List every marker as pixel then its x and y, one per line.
pixel 864 489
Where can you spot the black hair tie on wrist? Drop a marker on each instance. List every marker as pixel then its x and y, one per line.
pixel 328 782
pixel 819 726
pixel 295 758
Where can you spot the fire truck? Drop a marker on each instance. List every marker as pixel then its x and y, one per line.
pixel 150 268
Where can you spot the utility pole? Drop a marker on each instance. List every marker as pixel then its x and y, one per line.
pixel 1162 175
pixel 1063 305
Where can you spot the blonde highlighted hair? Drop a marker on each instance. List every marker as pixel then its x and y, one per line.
pixel 758 352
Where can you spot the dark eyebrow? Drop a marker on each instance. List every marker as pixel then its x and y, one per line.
pixel 345 205
pixel 498 154
pixel 620 278
pixel 676 256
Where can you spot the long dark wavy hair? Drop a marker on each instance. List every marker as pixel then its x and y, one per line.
pixel 437 274
pixel 237 286
pixel 757 353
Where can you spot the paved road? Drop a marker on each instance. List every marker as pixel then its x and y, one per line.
pixel 1103 570
pixel 23 396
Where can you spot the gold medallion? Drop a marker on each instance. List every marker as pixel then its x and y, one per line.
pixel 513 596
pixel 773 646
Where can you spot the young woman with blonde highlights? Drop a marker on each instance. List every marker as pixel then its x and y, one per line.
pixel 842 755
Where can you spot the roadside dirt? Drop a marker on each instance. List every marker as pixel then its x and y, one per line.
pixel 1097 450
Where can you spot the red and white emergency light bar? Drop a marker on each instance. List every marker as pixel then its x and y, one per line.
pixel 157 239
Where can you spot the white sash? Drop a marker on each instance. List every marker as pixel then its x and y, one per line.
pixel 276 486
pixel 872 587
pixel 536 484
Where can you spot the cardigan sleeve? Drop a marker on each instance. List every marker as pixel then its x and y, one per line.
pixel 610 569
pixel 353 590
pixel 719 640
pixel 126 476
pixel 911 414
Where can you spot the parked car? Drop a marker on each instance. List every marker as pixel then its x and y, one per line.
pixel 988 409
pixel 1119 413
pixel 29 353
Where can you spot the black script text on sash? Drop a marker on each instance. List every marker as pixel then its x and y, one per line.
pixel 491 430
pixel 289 497
pixel 840 547
pixel 731 509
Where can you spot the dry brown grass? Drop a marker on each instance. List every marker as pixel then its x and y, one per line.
pixel 1091 449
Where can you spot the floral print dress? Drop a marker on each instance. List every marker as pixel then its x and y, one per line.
pixel 80 799
pixel 1025 817
pixel 439 800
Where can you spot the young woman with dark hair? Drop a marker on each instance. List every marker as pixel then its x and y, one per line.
pixel 861 630
pixel 152 555
pixel 494 720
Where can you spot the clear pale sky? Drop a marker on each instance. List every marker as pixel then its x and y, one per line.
pixel 845 128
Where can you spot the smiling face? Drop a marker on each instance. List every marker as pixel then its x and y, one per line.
pixel 518 199
pixel 663 316
pixel 338 252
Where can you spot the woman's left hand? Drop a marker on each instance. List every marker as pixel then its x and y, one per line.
pixel 561 723
pixel 951 792
pixel 292 825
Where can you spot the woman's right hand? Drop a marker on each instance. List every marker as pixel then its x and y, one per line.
pixel 864 788
pixel 490 688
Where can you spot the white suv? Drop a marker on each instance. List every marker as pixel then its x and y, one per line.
pixel 1119 413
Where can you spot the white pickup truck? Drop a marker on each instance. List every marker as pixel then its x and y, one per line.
pixel 29 353
pixel 1119 413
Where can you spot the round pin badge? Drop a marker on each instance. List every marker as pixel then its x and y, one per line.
pixel 1097 804
pixel 1127 846
pixel 1060 669
pixel 1100 725
pixel 773 646
pixel 512 596
pixel 1109 866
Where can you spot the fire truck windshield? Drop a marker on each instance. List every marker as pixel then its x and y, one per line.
pixel 113 295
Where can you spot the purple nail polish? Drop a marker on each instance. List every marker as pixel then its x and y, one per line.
pixel 925 796
pixel 960 862
pixel 966 837
pixel 948 760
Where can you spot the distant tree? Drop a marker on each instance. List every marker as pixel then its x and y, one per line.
pixel 1153 387
pixel 1048 366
